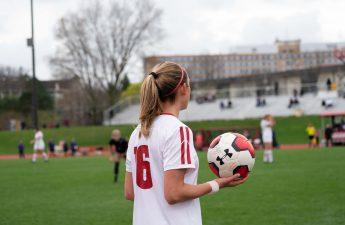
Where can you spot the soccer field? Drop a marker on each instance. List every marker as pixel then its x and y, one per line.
pixel 290 130
pixel 301 187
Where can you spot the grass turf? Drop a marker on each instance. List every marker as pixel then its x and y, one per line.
pixel 302 187
pixel 290 130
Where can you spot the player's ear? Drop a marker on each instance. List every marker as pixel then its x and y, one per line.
pixel 184 89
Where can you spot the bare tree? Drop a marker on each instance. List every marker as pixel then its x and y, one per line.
pixel 12 71
pixel 98 42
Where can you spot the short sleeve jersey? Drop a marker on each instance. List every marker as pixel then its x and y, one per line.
pixel 169 146
pixel 266 128
pixel 120 145
pixel 311 131
pixel 38 137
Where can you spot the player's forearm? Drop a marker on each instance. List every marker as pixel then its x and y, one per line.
pixel 196 191
pixel 128 187
pixel 186 192
pixel 129 196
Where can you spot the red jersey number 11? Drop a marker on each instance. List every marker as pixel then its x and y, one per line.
pixel 144 179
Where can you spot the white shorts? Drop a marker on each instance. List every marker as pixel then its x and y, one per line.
pixel 267 137
pixel 39 146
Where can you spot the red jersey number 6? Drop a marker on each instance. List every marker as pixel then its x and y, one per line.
pixel 144 180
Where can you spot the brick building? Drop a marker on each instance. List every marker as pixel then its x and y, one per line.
pixel 287 64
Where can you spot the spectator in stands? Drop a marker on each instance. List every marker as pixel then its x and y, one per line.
pixel 21 149
pixel 118 147
pixel 51 146
pixel 111 113
pixel 311 131
pixel 328 103
pixel 221 105
pixel 229 104
pixel 225 104
pixel 294 99
pixel 209 97
pixel 65 148
pixel 74 147
pixel 329 84
pixel 276 88
pixel 328 135
pixel 301 93
pixel 260 102
pixel 258 99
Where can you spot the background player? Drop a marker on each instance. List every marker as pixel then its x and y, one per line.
pixel 39 146
pixel 266 125
pixel 311 131
pixel 21 148
pixel 162 164
pixel 118 147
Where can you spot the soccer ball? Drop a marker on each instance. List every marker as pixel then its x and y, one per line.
pixel 231 153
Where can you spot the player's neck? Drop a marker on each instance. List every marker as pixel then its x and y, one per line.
pixel 171 109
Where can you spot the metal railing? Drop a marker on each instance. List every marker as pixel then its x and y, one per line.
pixel 109 113
pixel 307 88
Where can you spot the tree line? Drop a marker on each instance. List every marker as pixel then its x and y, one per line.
pixel 100 42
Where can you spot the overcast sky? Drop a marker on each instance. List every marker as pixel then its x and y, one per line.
pixel 191 26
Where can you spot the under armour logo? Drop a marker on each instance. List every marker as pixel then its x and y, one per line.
pixel 226 154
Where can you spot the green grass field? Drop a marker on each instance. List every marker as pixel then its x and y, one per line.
pixel 290 130
pixel 301 188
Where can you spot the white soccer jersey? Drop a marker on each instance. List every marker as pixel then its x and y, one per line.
pixel 38 136
pixel 266 130
pixel 169 146
pixel 39 142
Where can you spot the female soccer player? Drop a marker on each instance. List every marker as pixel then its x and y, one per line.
pixel 118 147
pixel 267 137
pixel 162 164
pixel 39 146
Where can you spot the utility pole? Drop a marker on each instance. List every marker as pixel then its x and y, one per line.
pixel 31 43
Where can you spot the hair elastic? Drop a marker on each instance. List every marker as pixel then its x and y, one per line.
pixel 154 75
pixel 178 84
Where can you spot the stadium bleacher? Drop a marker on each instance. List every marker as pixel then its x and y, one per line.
pixel 244 107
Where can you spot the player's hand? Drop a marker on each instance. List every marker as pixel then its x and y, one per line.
pixel 231 181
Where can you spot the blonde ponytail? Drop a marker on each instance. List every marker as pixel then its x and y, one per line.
pixel 158 87
pixel 150 104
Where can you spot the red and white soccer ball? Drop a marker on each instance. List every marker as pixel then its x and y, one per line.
pixel 231 153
